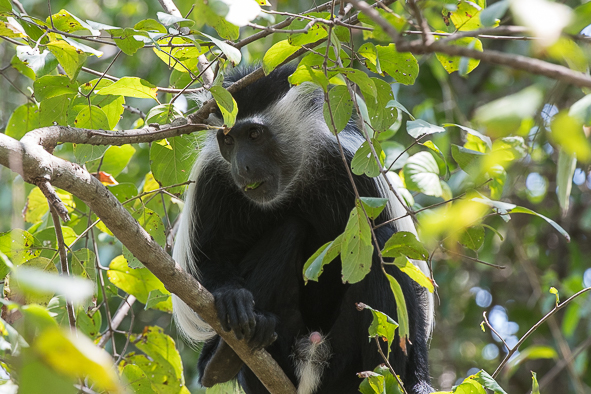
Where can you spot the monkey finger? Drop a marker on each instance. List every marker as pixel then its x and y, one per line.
pixel 222 315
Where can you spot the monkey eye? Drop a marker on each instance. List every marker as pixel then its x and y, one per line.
pixel 228 140
pixel 254 133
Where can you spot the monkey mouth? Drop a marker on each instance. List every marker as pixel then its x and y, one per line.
pixel 252 186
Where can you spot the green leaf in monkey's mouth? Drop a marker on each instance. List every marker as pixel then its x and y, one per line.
pixel 252 186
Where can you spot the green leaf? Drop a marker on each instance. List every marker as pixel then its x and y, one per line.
pixel 84 359
pixel 469 386
pixel 421 173
pixel 54 110
pixel 163 114
pixel 401 311
pixel 114 160
pixel 168 20
pixel 19 246
pixel 226 103
pixel 93 118
pixel 373 206
pixel 156 297
pixel 467 159
pixel 473 137
pixel 188 56
pixel 89 323
pixel 21 67
pixel 84 153
pixel 361 79
pixel 25 118
pixel 473 238
pixel 83 48
pixel 505 115
pixel 325 254
pixel 54 85
pixel 356 247
pixel 111 105
pixel 507 208
pixel 38 282
pixel 83 264
pixel 161 348
pixel 380 116
pixel 130 87
pixel 171 164
pixel 204 14
pixel 41 63
pixel 535 387
pixel 128 39
pixel 404 243
pixel 364 161
pixel 499 177
pixel 5 6
pixel 582 14
pixel 382 326
pixel 568 133
pixel 68 57
pixel 402 66
pixel 488 382
pixel 151 25
pixel 341 108
pixel 400 107
pixel 233 54
pixel 277 55
pixel 315 33
pixel 36 206
pixel 466 16
pixel 414 272
pixel 454 63
pixel 378 33
pixel 370 53
pixel 66 22
pixel 491 15
pixel 418 128
pixel 581 110
pixel 564 178
pixel 152 223
pixel 308 74
pixel 139 282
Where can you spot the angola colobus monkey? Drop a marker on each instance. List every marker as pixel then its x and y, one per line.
pixel 266 196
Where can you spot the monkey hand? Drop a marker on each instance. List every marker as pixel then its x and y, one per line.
pixel 235 308
pixel 264 332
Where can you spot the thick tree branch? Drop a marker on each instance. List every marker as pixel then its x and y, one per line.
pixel 32 162
pixel 519 62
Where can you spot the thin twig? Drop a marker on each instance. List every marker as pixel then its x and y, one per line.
pixel 535 327
pixel 494 331
pixel 400 384
pixel 64 262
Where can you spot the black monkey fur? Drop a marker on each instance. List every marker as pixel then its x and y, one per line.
pixel 266 197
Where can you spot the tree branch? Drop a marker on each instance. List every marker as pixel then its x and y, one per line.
pixel 32 162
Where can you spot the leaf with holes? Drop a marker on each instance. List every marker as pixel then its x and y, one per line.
pixel 404 243
pixel 356 247
pixel 364 161
pixel 473 238
pixel 402 66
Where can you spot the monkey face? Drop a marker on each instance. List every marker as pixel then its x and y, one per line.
pixel 256 160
